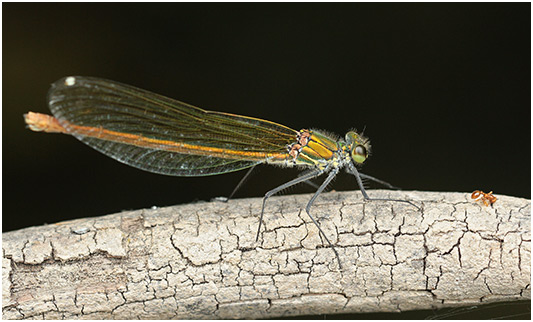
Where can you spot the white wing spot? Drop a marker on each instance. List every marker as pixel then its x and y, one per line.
pixel 69 81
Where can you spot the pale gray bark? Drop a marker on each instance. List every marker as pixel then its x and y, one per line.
pixel 202 261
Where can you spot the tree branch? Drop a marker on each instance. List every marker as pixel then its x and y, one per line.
pixel 202 261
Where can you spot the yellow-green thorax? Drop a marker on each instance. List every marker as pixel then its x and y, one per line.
pixel 314 148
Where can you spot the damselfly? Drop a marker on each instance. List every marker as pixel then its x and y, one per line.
pixel 158 134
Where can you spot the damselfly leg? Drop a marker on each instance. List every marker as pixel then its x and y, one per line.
pixel 353 170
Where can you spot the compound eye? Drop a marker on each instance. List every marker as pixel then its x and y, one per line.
pixel 359 154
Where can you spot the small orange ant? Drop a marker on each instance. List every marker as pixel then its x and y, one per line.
pixel 486 198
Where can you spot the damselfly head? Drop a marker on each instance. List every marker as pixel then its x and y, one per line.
pixel 359 146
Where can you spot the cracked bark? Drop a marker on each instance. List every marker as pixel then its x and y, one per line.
pixel 202 261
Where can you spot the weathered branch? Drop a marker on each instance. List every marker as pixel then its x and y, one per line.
pixel 202 261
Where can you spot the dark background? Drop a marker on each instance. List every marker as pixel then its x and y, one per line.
pixel 442 89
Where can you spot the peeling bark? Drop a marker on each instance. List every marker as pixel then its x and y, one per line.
pixel 202 261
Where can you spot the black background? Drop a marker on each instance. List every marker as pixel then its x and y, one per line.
pixel 442 89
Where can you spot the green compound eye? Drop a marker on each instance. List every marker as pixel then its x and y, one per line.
pixel 359 154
